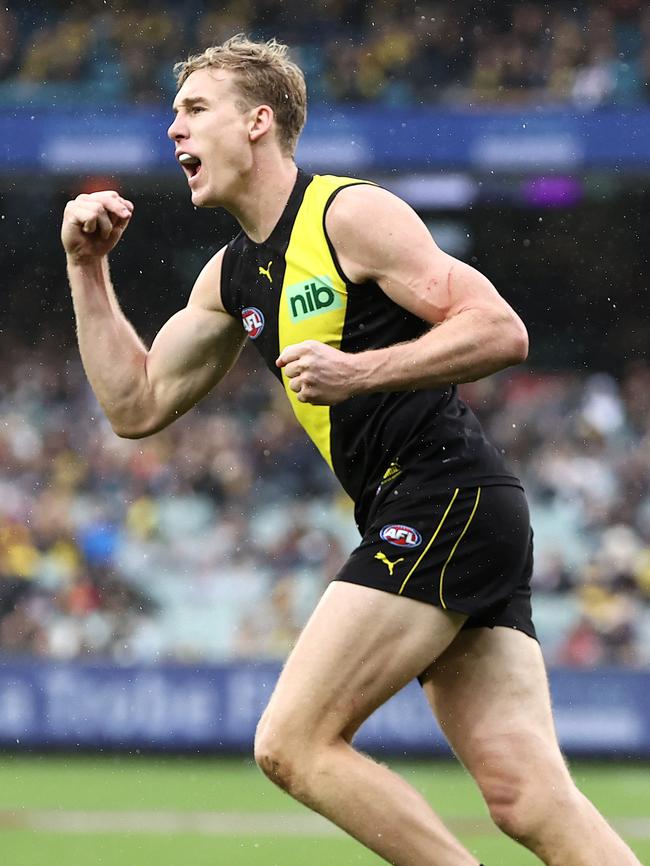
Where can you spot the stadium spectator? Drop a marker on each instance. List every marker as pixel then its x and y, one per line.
pixel 8 43
pixel 359 52
pixel 87 521
pixel 60 51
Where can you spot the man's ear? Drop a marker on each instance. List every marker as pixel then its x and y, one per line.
pixel 261 121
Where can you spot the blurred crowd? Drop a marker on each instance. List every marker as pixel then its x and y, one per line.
pixel 356 51
pixel 214 539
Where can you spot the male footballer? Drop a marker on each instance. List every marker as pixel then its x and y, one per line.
pixel 369 327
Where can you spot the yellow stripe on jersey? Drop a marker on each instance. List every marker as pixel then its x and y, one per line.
pixel 314 299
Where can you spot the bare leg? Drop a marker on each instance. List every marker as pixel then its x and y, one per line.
pixel 359 648
pixel 490 693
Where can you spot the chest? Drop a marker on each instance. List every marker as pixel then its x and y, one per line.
pixel 285 298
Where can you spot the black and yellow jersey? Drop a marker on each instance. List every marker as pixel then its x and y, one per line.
pixel 291 288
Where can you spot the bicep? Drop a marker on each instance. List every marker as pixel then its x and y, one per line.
pixel 194 349
pixel 396 251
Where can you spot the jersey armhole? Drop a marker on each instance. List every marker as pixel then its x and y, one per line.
pixel 330 245
pixel 226 281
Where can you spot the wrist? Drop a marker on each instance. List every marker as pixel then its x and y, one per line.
pixel 85 263
pixel 365 374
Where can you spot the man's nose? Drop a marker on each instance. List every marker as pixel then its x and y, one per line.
pixel 176 131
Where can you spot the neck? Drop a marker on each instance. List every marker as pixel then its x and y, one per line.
pixel 263 198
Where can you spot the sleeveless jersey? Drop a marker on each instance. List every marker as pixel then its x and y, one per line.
pixel 291 288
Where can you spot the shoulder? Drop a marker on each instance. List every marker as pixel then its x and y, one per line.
pixel 366 209
pixel 368 225
pixel 206 292
pixel 354 201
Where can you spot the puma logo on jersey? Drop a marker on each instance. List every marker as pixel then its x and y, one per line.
pixel 381 556
pixel 266 271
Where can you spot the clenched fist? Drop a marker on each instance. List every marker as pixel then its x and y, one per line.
pixel 318 373
pixel 93 224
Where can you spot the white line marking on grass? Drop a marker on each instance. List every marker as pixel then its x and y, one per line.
pixel 632 828
pixel 204 823
pixel 232 823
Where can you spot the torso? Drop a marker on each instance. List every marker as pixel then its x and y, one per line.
pixel 291 288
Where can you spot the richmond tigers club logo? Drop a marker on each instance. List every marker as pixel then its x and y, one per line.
pixel 253 320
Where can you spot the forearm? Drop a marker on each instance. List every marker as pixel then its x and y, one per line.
pixel 113 355
pixel 469 346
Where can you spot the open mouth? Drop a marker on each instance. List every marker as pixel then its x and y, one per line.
pixel 191 164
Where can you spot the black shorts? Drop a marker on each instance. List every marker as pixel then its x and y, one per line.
pixel 464 549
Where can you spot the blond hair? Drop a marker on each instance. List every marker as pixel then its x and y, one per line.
pixel 264 74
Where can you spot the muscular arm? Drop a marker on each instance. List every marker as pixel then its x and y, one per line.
pixel 476 332
pixel 141 391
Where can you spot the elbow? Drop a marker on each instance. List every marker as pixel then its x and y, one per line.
pixel 139 418
pixel 136 428
pixel 127 432
pixel 509 335
pixel 134 425
pixel 518 342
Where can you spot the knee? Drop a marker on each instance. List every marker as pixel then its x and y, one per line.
pixel 272 754
pixel 277 754
pixel 508 803
pixel 524 803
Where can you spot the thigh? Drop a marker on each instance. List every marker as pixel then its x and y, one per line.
pixel 359 647
pixel 490 693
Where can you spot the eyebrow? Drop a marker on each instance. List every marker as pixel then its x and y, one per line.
pixel 189 102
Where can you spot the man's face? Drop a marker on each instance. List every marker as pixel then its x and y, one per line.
pixel 210 132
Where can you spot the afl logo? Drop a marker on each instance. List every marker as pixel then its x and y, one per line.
pixel 401 536
pixel 253 320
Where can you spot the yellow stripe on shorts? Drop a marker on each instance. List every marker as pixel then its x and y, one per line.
pixel 431 540
pixel 453 550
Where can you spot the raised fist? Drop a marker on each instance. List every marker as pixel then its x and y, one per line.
pixel 93 224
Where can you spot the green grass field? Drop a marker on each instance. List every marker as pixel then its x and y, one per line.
pixel 145 811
